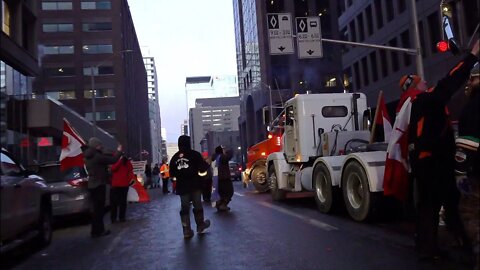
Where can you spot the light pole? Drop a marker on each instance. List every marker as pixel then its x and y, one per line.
pixel 94 92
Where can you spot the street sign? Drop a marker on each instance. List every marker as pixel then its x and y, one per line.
pixel 280 33
pixel 309 37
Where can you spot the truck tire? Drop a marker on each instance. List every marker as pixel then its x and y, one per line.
pixel 356 191
pixel 44 228
pixel 277 194
pixel 322 184
pixel 259 178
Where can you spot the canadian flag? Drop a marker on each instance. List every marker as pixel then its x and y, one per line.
pixel 395 180
pixel 71 156
pixel 383 126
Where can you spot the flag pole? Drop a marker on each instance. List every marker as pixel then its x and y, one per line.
pixel 377 112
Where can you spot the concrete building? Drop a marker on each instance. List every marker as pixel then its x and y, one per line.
pixel 91 47
pixel 388 22
pixel 261 74
pixel 228 139
pixel 213 115
pixel 209 87
pixel 164 142
pixel 154 110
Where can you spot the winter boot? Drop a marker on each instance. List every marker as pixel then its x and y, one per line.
pixel 187 230
pixel 201 223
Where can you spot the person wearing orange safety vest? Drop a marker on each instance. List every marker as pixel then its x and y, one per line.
pixel 431 149
pixel 165 173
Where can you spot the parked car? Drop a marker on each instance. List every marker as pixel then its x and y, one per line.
pixel 235 171
pixel 69 192
pixel 26 211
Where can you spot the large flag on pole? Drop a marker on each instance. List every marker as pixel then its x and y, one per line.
pixel 382 128
pixel 395 180
pixel 71 157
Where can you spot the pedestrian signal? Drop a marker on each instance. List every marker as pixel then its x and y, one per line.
pixel 442 46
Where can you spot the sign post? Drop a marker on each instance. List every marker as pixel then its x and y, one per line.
pixel 280 33
pixel 309 37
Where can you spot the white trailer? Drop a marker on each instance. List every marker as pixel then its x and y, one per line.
pixel 326 151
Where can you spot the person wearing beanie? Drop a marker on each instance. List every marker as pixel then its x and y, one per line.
pixel 411 86
pixel 431 149
pixel 223 183
pixel 188 167
pixel 96 163
pixel 467 159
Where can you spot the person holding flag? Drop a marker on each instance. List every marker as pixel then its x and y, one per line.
pixel 422 132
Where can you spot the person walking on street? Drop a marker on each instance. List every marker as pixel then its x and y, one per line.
pixel 148 176
pixel 225 185
pixel 122 174
pixel 468 164
pixel 165 172
pixel 431 147
pixel 187 167
pixel 156 175
pixel 96 163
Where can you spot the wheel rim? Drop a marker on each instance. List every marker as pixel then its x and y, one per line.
pixel 355 190
pixel 320 186
pixel 261 178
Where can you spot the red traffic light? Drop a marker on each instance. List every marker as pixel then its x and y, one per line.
pixel 442 46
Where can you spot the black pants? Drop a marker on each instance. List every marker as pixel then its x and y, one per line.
pixel 118 203
pixel 435 187
pixel 207 189
pixel 97 196
pixel 225 190
pixel 195 198
pixel 165 185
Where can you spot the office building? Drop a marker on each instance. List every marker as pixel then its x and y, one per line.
pixel 209 87
pixel 90 49
pixel 266 79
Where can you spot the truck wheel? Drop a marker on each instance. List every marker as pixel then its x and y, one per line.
pixel 277 194
pixel 323 188
pixel 259 178
pixel 356 192
pixel 44 236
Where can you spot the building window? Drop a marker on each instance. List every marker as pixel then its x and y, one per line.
pixel 57 27
pixel 96 49
pixel 352 31
pixel 434 28
pixel 405 37
pixel 61 95
pixel 58 49
pixel 56 5
pixel 101 116
pixel 421 31
pixel 104 70
pixel 369 16
pixel 402 6
pixel 384 62
pixel 356 70
pixel 94 27
pixel 390 11
pixel 99 93
pixel 6 19
pixel 394 55
pixel 365 70
pixel 96 5
pixel 373 61
pixel 59 71
pixel 330 81
pixel 361 35
pixel 378 13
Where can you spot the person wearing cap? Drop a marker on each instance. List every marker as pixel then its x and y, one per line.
pixel 431 148
pixel 188 167
pixel 96 163
pixel 467 160
pixel 224 182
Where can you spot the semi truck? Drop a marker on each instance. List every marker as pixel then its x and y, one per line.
pixel 327 154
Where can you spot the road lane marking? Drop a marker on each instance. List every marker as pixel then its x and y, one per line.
pixel 311 221
pixel 238 194
pixel 114 243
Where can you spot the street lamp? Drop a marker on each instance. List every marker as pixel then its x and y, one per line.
pixel 94 92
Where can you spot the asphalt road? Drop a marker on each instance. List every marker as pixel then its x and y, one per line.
pixel 256 234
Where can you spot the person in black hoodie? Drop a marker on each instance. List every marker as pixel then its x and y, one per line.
pixel 96 163
pixel 225 185
pixel 188 167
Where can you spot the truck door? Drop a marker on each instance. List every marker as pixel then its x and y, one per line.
pixel 289 137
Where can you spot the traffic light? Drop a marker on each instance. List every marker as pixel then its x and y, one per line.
pixel 442 46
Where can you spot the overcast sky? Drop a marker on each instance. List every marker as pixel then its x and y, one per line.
pixel 187 38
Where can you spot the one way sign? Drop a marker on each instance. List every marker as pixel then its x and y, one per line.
pixel 309 37
pixel 280 33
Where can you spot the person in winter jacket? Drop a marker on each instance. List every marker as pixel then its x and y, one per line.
pixel 148 176
pixel 96 163
pixel 122 175
pixel 188 167
pixel 431 147
pixel 467 160
pixel 225 185
pixel 156 175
